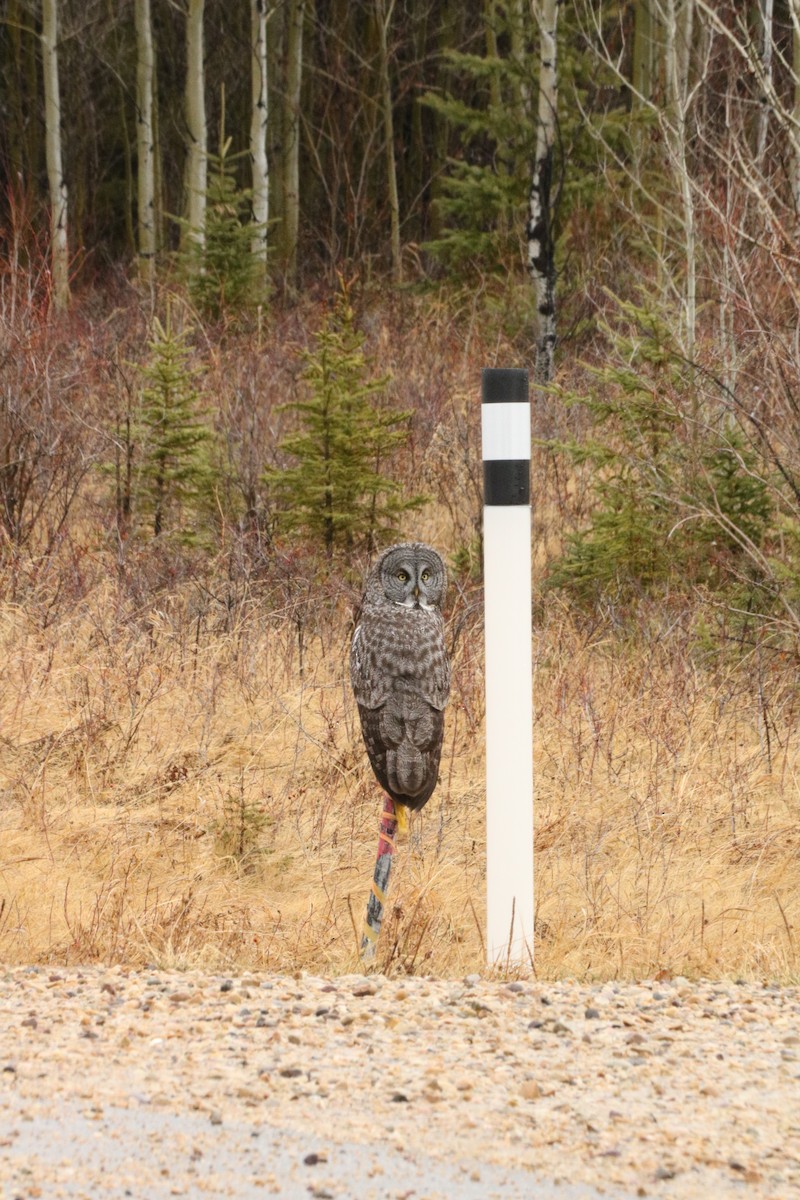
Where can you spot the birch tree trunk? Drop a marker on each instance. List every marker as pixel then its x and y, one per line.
pixel 197 149
pixel 384 16
pixel 291 137
pixel 678 32
pixel 16 125
pixel 59 252
pixel 258 132
pixel 541 246
pixel 765 12
pixel 145 142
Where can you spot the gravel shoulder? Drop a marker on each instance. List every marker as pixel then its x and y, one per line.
pixel 156 1084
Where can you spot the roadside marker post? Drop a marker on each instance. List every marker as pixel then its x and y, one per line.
pixel 506 446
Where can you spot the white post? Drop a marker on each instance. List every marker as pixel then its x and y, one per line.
pixel 506 428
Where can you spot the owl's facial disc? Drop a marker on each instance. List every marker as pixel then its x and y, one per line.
pixel 410 586
pixel 412 576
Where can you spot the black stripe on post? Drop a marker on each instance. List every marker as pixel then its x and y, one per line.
pixel 506 436
pixel 504 385
pixel 507 481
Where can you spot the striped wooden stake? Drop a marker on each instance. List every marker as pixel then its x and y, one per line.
pixel 380 880
pixel 506 435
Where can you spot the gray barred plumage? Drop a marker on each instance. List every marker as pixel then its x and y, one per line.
pixel 400 670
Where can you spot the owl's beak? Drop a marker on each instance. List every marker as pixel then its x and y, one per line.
pixel 416 593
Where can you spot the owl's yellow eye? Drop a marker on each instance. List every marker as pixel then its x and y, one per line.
pixel 425 576
pixel 402 576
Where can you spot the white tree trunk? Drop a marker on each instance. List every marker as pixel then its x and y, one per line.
pixel 145 141
pixel 59 252
pixel 197 150
pixel 291 136
pixel 258 130
pixel 384 17
pixel 765 8
pixel 541 247
pixel 677 52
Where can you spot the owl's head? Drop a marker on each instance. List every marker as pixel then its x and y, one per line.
pixel 411 574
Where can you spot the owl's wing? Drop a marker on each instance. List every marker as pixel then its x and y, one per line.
pixel 436 682
pixel 370 686
pixel 436 688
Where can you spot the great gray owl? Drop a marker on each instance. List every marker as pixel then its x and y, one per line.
pixel 400 671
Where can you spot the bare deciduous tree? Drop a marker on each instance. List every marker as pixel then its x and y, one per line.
pixel 678 23
pixel 258 131
pixel 197 134
pixel 541 245
pixel 145 143
pixel 765 12
pixel 794 8
pixel 295 20
pixel 59 251
pixel 384 17
pixel 680 46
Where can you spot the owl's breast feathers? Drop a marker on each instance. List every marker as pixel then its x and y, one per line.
pixel 401 680
pixel 400 647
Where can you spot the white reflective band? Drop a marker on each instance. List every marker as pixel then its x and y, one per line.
pixel 506 431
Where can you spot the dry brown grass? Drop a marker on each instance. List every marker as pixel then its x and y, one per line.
pixel 182 779
pixel 173 789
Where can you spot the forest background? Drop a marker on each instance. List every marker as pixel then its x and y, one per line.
pixel 253 260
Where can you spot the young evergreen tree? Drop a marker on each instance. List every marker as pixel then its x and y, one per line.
pixel 676 500
pixel 482 195
pixel 222 271
pixel 174 477
pixel 339 493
